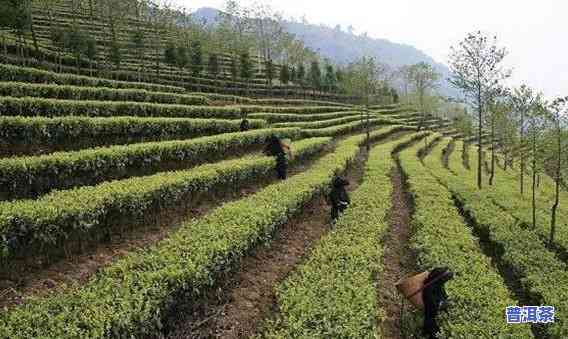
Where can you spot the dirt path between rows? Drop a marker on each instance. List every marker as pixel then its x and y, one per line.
pixel 397 261
pixel 241 301
pixel 41 279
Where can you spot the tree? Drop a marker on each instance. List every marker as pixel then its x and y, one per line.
pixel 558 112
pixel 394 95
pixel 234 69
pixel 196 58
pixel 476 69
pixel 497 108
pixel 16 16
pixel 182 57
pixel 315 75
pixel 115 54
pixel 293 74
pixel 246 69
pixel 536 127
pixel 284 74
pixel 424 78
pixel 170 55
pixel 269 68
pixel 213 65
pixel 91 53
pixel 77 44
pixel 330 81
pixel 268 30
pixel 139 42
pixel 523 100
pixel 301 75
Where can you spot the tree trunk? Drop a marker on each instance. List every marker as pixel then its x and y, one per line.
pixel 34 37
pixel 479 146
pixel 534 181
pixel 557 186
pixel 521 155
pixel 492 175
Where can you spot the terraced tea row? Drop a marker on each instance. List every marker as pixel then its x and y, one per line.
pixel 33 135
pixel 185 263
pixel 519 250
pixel 33 75
pixel 441 238
pixel 24 177
pixel 333 294
pixel 46 225
pixel 52 108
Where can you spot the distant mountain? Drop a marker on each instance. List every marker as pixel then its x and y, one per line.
pixel 344 47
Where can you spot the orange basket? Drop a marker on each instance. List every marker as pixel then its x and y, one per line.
pixel 411 288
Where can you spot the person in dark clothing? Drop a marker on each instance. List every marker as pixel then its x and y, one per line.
pixel 435 298
pixel 276 148
pixel 244 125
pixel 338 197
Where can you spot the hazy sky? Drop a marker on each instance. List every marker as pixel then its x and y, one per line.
pixel 535 32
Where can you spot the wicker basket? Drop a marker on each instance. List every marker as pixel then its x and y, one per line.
pixel 410 286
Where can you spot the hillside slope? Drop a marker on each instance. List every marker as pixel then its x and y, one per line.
pixel 343 47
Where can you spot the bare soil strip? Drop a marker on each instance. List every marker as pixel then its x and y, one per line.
pixel 41 279
pixel 245 296
pixel 398 259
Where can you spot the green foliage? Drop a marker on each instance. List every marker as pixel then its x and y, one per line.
pixel 318 124
pixel 182 57
pixel 170 56
pixel 535 267
pixel 442 239
pixel 315 74
pixel 22 89
pixel 333 294
pixel 269 68
pixel 293 74
pixel 21 135
pixel 91 210
pixel 115 55
pixel 274 118
pixel 91 48
pixel 196 58
pixel 15 15
pixel 154 277
pixel 33 75
pixel 330 81
pixel 246 67
pixel 234 69
pixel 345 128
pixel 36 175
pixel 213 65
pixel 301 74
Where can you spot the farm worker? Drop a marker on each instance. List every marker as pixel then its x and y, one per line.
pixel 244 123
pixel 338 197
pixel 435 298
pixel 276 148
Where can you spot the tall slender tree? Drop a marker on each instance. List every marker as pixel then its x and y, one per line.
pixel 476 66
pixel 523 100
pixel 424 78
pixel 558 116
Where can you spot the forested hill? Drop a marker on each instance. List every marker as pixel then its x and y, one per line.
pixel 343 47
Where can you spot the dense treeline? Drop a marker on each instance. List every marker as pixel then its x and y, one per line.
pixel 153 41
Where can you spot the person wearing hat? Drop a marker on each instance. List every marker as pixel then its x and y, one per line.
pixel 276 148
pixel 435 298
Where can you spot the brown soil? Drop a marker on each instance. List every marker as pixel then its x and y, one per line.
pixel 397 258
pixel 40 279
pixel 241 301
